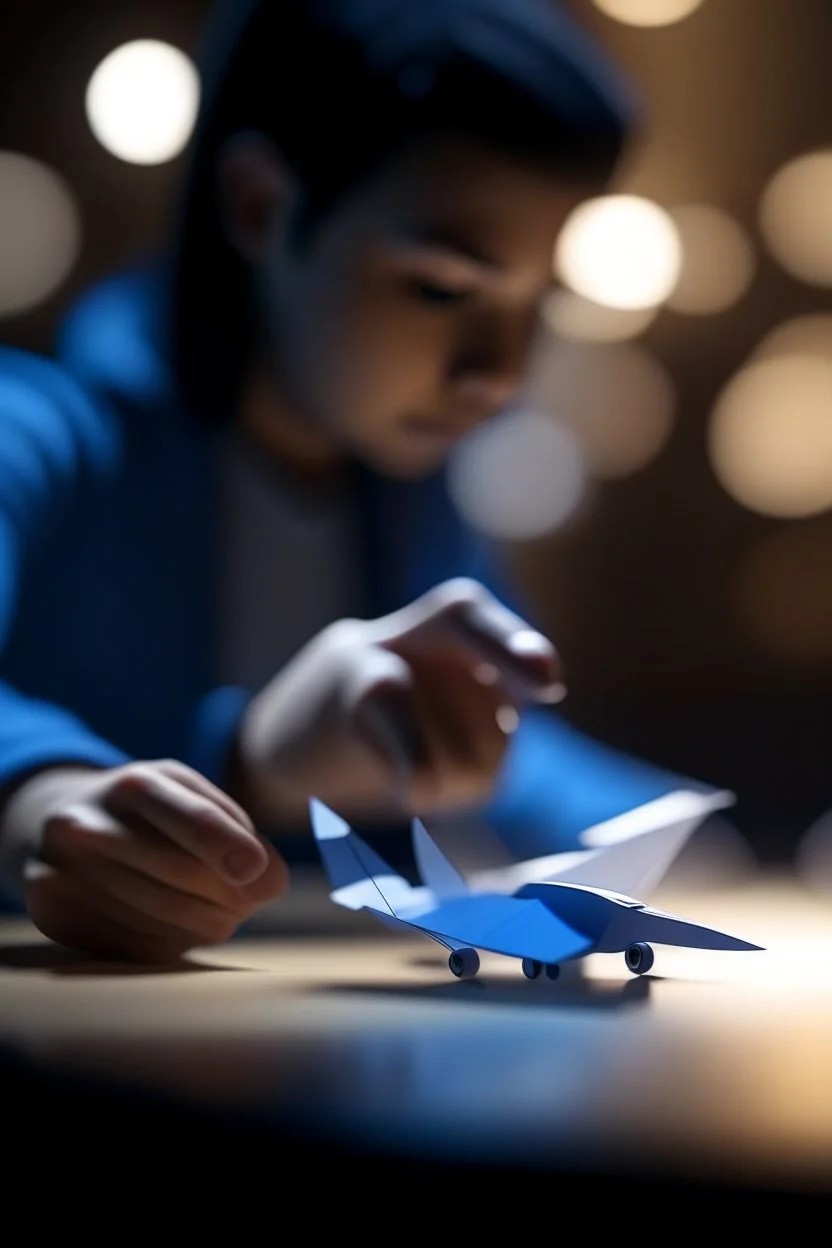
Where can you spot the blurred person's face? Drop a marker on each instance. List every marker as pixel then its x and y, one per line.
pixel 406 317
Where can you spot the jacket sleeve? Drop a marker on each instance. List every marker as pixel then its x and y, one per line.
pixel 213 732
pixel 53 442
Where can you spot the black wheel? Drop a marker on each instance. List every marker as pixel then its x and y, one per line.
pixel 552 970
pixel 464 963
pixel 532 968
pixel 639 958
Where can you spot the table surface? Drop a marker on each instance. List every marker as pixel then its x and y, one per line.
pixel 716 1064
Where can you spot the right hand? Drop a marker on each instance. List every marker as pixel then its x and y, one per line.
pixel 142 862
pixel 406 714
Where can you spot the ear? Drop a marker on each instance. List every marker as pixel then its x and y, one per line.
pixel 255 190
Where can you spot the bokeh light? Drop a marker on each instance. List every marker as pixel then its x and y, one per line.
pixel 796 217
pixel 620 250
pixel 718 260
pixel 618 400
pixel 770 436
pixel 784 594
pixel 519 476
pixel 648 12
pixel 40 232
pixel 142 101
pixel 569 315
pixel 800 335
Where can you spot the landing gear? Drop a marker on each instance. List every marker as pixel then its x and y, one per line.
pixel 464 963
pixel 532 968
pixel 639 958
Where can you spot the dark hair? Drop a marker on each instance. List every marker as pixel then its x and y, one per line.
pixel 340 86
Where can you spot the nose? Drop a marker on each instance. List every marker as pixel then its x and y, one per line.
pixel 489 365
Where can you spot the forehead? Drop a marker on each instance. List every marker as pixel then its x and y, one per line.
pixel 458 192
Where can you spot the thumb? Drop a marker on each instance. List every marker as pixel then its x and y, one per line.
pixel 379 700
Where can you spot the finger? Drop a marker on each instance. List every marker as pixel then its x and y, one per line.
pixel 469 614
pixel 195 823
pixel 490 719
pixel 433 724
pixel 68 911
pixel 272 884
pixel 526 659
pixel 198 783
pixel 378 699
pixel 123 891
pixel 89 832
pixel 450 777
pixel 469 733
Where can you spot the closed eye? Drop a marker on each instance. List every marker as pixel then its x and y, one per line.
pixel 437 294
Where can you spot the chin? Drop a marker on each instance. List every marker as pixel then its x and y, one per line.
pixel 408 456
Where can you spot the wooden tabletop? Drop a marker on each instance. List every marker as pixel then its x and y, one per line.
pixel 716 1064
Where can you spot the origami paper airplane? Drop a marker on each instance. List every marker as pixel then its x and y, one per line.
pixel 543 911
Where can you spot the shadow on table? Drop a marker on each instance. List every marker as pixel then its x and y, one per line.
pixel 570 991
pixel 67 962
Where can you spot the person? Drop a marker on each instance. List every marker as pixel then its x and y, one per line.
pixel 232 577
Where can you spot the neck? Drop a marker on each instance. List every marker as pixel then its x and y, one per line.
pixel 293 443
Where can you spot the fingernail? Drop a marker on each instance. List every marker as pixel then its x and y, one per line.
pixel 528 643
pixel 552 693
pixel 242 865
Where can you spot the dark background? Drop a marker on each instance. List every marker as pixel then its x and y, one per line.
pixel 642 592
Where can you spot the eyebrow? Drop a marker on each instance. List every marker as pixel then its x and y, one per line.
pixel 449 239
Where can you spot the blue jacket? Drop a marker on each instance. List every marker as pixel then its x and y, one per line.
pixel 108 526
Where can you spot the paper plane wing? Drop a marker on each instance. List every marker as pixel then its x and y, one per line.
pixel 507 925
pixel 634 852
pixel 628 854
pixel 644 923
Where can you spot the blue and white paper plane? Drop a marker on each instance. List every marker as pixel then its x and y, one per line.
pixel 543 911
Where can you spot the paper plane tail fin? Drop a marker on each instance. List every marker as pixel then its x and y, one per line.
pixel 359 876
pixel 437 871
